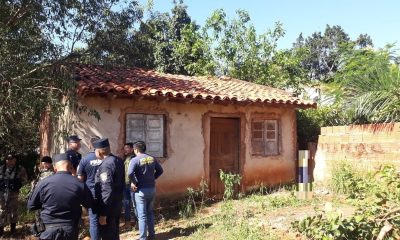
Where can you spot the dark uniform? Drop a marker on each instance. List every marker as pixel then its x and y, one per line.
pixel 60 197
pixel 110 180
pixel 88 168
pixel 75 157
pixel 11 180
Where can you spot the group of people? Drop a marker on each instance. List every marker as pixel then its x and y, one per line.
pixel 99 182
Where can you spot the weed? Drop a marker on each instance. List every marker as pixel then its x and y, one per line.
pixel 229 180
pixel 376 197
pixel 190 206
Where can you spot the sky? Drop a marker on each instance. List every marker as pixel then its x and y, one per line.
pixel 378 18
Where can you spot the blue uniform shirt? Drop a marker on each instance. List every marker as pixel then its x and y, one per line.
pixel 60 197
pixel 74 157
pixel 109 185
pixel 143 170
pixel 88 167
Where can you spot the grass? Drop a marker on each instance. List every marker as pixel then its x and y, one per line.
pixel 256 216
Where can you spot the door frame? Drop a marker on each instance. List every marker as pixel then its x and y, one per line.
pixel 206 125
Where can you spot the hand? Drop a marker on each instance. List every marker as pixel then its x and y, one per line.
pixel 133 187
pixel 103 220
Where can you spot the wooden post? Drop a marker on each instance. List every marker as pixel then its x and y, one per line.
pixel 304 190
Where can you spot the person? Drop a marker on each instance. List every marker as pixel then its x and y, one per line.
pixel 74 144
pixel 12 178
pixel 109 186
pixel 86 173
pixel 60 197
pixel 46 170
pixel 128 194
pixel 143 171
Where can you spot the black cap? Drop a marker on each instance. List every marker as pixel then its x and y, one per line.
pixel 101 143
pixel 60 157
pixel 46 159
pixel 74 138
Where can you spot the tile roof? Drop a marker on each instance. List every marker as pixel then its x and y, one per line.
pixel 95 79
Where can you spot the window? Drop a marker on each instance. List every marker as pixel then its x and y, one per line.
pixel 265 137
pixel 148 128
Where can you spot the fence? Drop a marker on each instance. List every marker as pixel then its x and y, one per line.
pixel 365 146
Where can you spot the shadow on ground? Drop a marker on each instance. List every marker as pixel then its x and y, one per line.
pixel 180 232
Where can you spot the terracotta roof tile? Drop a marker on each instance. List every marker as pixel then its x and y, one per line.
pixel 94 79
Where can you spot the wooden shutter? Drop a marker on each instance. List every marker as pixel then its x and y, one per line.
pixel 155 135
pixel 257 136
pixel 271 137
pixel 135 127
pixel 147 128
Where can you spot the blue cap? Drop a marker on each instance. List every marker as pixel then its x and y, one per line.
pixel 74 138
pixel 60 157
pixel 101 143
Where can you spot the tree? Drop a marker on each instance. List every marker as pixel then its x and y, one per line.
pixel 37 38
pixel 367 88
pixel 324 51
pixel 177 45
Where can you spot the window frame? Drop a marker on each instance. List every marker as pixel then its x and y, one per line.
pixel 164 133
pixel 262 139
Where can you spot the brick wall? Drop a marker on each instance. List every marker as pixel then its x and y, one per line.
pixel 364 146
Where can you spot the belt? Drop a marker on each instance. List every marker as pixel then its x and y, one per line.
pixel 58 225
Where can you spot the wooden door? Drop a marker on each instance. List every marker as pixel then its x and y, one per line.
pixel 224 151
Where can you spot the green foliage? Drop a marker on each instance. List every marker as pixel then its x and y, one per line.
pixel 309 123
pixel 324 51
pixel 236 224
pixel 376 197
pixel 344 179
pixel 367 87
pixel 195 200
pixel 24 215
pixel 37 40
pixel 230 180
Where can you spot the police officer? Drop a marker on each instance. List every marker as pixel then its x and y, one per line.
pixel 109 185
pixel 86 173
pixel 12 178
pixel 60 198
pixel 46 170
pixel 74 144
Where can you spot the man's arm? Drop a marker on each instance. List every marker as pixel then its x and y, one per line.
pixel 87 199
pixel 106 188
pixel 158 170
pixel 131 172
pixel 81 171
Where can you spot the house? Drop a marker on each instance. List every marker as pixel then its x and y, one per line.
pixel 195 126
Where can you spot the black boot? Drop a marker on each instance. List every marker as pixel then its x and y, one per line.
pixel 12 227
pixel 1 231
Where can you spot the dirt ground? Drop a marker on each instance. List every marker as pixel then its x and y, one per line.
pixel 170 226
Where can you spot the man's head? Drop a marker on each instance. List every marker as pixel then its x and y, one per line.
pixel 11 160
pixel 74 142
pixel 62 163
pixel 92 140
pixel 102 148
pixel 128 149
pixel 139 147
pixel 46 162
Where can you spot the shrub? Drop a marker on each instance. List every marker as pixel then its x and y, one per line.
pixel 229 180
pixel 376 197
pixel 195 199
